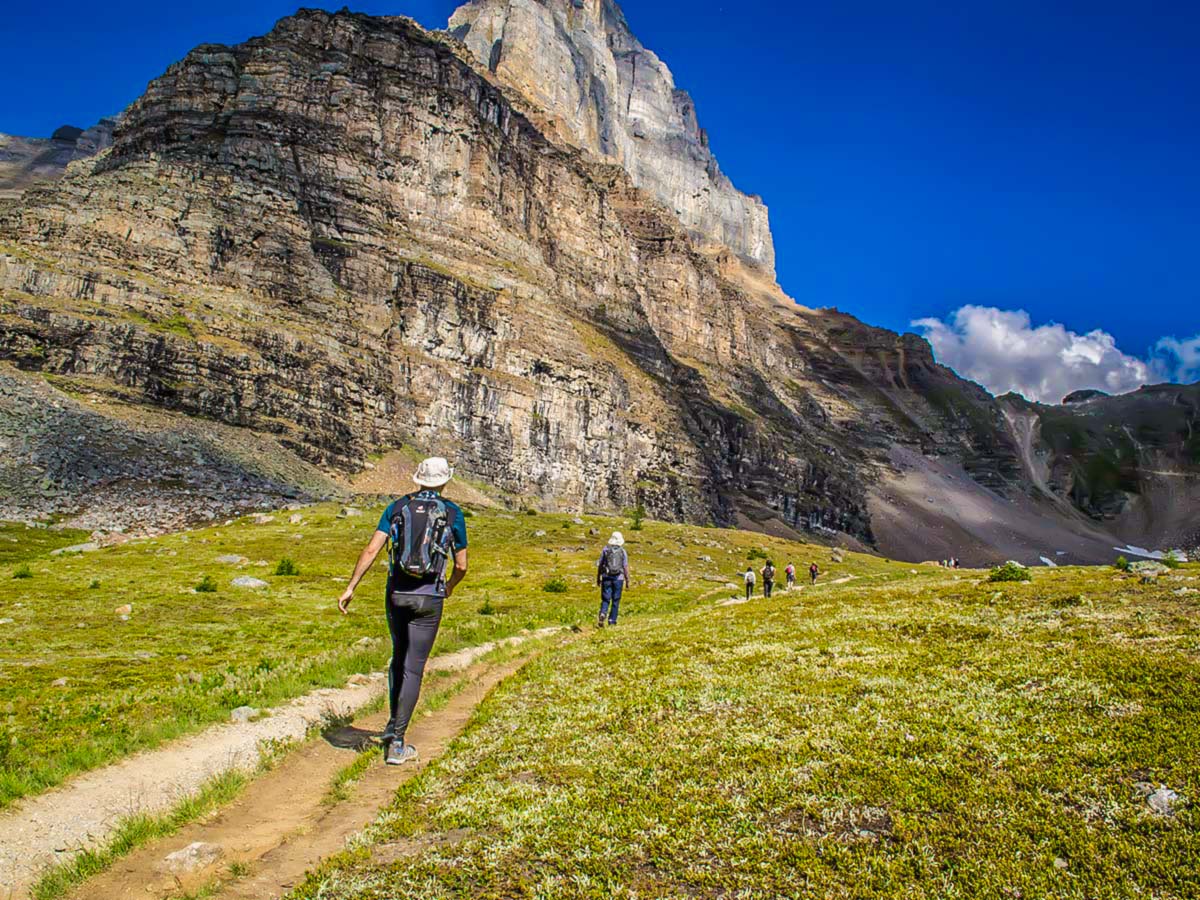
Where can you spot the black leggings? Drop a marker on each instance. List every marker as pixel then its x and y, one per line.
pixel 413 634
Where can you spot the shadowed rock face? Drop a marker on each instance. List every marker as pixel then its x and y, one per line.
pixel 346 235
pixel 578 62
pixel 25 162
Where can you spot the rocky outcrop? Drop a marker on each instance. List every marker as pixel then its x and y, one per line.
pixel 25 162
pixel 347 235
pixel 578 63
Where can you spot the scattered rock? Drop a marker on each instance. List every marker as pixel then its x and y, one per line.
pixel 539 534
pixel 295 519
pixel 89 547
pixel 1060 863
pixel 1162 802
pixel 349 512
pixel 247 581
pixel 577 520
pixel 59 682
pixel 124 611
pixel 593 531
pixel 193 857
pixel 6 621
pixel 193 677
pixel 243 714
pixel 705 558
pixel 837 556
pixel 262 519
pixel 364 642
pixel 358 678
pixel 231 559
pixel 1184 591
pixel 1148 571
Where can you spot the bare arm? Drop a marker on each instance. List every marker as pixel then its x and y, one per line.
pixel 366 559
pixel 460 570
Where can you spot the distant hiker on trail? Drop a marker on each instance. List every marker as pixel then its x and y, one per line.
pixel 813 572
pixel 612 576
pixel 750 579
pixel 426 531
pixel 790 572
pixel 768 574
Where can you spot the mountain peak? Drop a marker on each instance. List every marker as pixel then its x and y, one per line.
pixel 578 62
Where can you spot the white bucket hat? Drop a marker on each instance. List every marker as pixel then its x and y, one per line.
pixel 617 539
pixel 433 472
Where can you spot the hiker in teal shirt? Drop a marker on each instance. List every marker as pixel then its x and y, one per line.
pixel 427 532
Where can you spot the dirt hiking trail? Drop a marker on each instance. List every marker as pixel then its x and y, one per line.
pixel 282 826
pixel 84 812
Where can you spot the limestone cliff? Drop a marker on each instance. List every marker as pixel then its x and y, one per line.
pixel 578 62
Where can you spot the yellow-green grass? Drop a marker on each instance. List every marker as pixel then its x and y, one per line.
pixel 931 737
pixel 183 659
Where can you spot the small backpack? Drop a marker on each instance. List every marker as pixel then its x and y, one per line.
pixel 420 533
pixel 769 573
pixel 612 561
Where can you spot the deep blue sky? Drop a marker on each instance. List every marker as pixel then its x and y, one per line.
pixel 916 156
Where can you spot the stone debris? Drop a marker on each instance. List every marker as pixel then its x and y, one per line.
pixel 248 581
pixel 231 559
pixel 243 714
pixel 89 547
pixel 193 857
pixel 59 682
pixel 349 512
pixel 124 611
pixel 262 519
pixel 295 519
pixel 6 621
pixel 358 678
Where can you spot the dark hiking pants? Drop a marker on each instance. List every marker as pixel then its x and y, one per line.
pixel 413 624
pixel 749 589
pixel 767 586
pixel 611 587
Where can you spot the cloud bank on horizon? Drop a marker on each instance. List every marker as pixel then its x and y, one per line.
pixel 1004 351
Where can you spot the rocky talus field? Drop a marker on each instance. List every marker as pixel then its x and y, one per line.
pixel 352 235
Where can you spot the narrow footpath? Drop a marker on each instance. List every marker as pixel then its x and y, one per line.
pixel 83 813
pixel 283 824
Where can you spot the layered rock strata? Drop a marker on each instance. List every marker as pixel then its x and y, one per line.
pixel 578 62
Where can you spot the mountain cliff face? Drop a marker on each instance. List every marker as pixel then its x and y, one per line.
pixel 577 62
pixel 349 236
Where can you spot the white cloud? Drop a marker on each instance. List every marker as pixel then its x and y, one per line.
pixel 1003 351
pixel 1176 360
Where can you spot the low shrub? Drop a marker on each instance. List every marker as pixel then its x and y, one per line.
pixel 206 585
pixel 1010 571
pixel 287 567
pixel 555 586
pixel 23 571
pixel 1122 564
pixel 756 553
pixel 487 609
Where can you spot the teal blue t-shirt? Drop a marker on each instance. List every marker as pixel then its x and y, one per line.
pixel 458 541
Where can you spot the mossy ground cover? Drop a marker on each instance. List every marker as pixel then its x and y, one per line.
pixel 935 736
pixel 184 659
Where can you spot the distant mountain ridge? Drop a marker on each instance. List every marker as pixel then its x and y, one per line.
pixel 26 162
pixel 351 235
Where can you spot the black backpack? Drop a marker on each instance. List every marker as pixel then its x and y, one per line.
pixel 420 533
pixel 612 561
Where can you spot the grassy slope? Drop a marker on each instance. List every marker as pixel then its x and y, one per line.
pixel 184 659
pixel 928 737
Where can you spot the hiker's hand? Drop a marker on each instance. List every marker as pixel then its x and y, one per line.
pixel 344 601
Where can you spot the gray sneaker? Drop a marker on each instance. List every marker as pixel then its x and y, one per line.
pixel 398 753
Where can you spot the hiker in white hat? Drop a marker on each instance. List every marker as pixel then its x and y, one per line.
pixel 426 532
pixel 612 575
